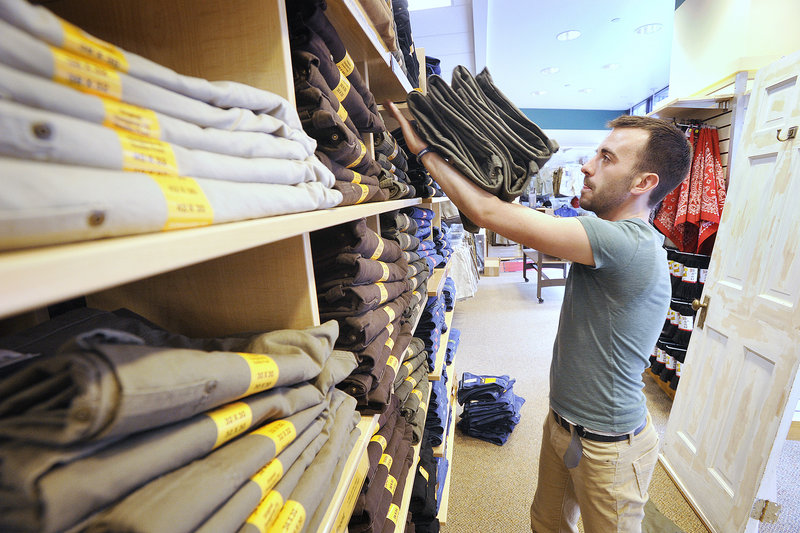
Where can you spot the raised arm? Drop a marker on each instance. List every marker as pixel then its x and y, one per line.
pixel 560 237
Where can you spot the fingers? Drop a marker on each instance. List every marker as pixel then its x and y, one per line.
pixel 413 140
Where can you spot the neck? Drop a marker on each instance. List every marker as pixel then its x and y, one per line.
pixel 636 208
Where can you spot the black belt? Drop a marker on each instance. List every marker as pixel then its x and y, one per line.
pixel 581 431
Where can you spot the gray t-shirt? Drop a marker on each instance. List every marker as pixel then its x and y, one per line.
pixel 611 318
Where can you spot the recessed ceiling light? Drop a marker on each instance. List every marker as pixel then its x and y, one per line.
pixel 648 28
pixel 567 85
pixel 616 19
pixel 611 66
pixel 550 70
pixel 538 93
pixel 587 90
pixel 568 35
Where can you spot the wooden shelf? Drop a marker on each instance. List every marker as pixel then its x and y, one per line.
pixel 355 471
pixel 400 526
pixel 441 354
pixel 386 78
pixel 37 277
pixel 437 279
pixel 663 386
pixel 699 108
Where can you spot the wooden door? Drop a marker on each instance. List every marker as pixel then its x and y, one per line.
pixel 730 416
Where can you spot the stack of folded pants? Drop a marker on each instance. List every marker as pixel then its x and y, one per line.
pixel 442 244
pixel 401 228
pixel 431 326
pixel 390 454
pixel 418 176
pixel 405 40
pixel 438 419
pixel 452 344
pixel 424 505
pixel 491 409
pixel 111 138
pixel 482 133
pixel 411 386
pixel 449 291
pixel 363 283
pixel 336 107
pixel 426 248
pixel 111 422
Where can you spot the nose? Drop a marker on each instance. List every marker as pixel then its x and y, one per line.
pixel 588 167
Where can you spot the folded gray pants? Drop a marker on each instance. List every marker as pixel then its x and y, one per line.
pixel 46 26
pixel 26 53
pixel 47 489
pixel 35 91
pixel 43 135
pixel 525 141
pixel 172 503
pixel 108 384
pixel 302 488
pixel 46 203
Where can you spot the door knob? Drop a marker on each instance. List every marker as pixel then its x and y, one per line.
pixel 701 308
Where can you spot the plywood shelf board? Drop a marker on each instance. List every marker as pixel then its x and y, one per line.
pixel 700 108
pixel 437 279
pixel 37 277
pixel 341 505
pixel 441 354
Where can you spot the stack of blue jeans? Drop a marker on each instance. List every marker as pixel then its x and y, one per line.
pixel 431 326
pixel 443 248
pixel 491 409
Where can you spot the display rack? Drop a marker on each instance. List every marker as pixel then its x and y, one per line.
pixel 222 279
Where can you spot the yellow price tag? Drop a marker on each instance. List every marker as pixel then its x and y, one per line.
pixel 264 372
pixel 383 291
pixel 393 362
pixel 231 420
pixel 291 518
pixel 346 65
pixel 78 41
pixel 394 513
pixel 362 152
pixel 85 75
pixel 386 460
pixel 342 112
pixel 342 88
pixel 384 277
pixel 187 205
pixel 267 510
pixel 142 154
pixel 267 477
pixel 127 117
pixel 282 432
pixel 381 440
pixel 391 484
pixel 379 250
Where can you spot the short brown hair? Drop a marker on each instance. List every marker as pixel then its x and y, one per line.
pixel 667 152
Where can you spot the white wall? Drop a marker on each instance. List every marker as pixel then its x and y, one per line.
pixel 447 34
pixel 714 39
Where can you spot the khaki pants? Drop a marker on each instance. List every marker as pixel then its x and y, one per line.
pixel 608 488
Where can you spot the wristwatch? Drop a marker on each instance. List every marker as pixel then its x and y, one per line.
pixel 424 151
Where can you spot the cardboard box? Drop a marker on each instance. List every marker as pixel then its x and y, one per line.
pixel 491 266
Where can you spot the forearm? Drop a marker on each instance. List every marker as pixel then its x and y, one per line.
pixel 560 237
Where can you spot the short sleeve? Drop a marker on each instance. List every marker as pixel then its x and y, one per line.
pixel 614 243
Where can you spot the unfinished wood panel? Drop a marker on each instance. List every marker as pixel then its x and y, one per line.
pixel 265 288
pixel 238 40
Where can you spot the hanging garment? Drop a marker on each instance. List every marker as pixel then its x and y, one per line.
pixel 690 214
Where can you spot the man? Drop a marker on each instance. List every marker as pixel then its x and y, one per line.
pixel 599 446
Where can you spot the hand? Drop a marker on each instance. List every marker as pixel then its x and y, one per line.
pixel 414 142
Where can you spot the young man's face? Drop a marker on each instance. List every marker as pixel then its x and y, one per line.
pixel 609 174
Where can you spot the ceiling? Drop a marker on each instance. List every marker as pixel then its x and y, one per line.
pixel 516 40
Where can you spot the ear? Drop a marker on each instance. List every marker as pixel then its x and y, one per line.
pixel 644 183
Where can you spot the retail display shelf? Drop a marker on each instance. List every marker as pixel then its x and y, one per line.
pixel 36 277
pixel 449 455
pixel 386 78
pixel 441 450
pixel 436 281
pixel 441 354
pixel 663 386
pixel 400 525
pixel 355 471
pixel 699 108
pixel 435 200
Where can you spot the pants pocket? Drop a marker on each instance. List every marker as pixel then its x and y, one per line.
pixel 643 469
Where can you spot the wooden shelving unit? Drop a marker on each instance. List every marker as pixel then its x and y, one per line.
pixel 700 108
pixel 443 504
pixel 221 279
pixel 663 386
